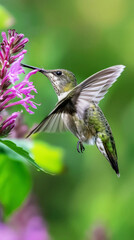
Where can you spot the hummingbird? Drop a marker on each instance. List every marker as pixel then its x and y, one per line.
pixel 77 109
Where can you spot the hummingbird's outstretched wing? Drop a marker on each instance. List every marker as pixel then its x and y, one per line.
pixel 52 123
pixel 94 88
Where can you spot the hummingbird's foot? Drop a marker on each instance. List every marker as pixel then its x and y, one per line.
pixel 80 147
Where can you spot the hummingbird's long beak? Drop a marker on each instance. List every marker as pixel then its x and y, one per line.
pixel 39 69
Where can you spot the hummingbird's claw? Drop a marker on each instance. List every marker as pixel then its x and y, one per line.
pixel 80 147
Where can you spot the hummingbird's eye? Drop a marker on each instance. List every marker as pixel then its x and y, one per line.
pixel 58 73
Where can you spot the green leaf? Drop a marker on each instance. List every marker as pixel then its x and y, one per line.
pixel 48 157
pixel 19 150
pixel 15 183
pixel 6 19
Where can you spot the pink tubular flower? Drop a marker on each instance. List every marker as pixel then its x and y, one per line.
pixel 7 125
pixel 13 92
pixel 27 223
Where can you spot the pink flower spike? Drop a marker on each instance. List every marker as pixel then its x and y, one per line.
pixel 8 124
pixel 20 45
pixel 4 37
pixel 1 57
pixel 15 70
pixel 25 40
pixel 13 116
pixel 20 36
pixel 20 54
pixel 30 74
pixel 1 118
pixel 4 68
pixel 33 105
pixel 12 94
pixel 13 58
pixel 7 53
pixel 12 39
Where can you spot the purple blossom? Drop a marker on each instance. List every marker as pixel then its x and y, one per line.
pixel 7 125
pixel 7 233
pixel 26 224
pixel 99 232
pixel 13 92
pixel 20 129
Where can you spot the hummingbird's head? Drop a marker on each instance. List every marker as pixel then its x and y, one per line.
pixel 61 79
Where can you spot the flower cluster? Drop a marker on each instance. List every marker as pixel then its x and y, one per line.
pixel 27 223
pixel 13 92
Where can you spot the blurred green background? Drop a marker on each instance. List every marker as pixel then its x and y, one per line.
pixel 84 37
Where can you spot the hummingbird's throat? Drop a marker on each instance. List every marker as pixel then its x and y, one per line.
pixel 61 87
pixel 68 87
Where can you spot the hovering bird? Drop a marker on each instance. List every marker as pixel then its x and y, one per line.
pixel 77 109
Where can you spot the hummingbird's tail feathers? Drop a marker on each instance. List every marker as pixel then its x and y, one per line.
pixel 112 159
pixel 94 88
pixel 52 123
pixel 110 155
